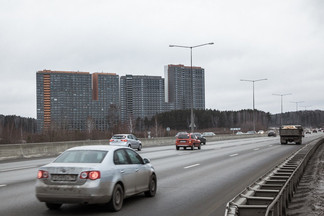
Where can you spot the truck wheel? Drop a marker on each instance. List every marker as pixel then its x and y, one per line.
pixel 177 147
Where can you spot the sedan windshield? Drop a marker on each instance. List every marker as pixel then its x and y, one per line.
pixel 81 156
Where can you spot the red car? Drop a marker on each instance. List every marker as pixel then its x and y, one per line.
pixel 187 140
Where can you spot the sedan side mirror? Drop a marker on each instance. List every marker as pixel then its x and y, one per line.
pixel 146 161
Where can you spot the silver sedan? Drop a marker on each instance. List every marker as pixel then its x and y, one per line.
pixel 94 175
pixel 129 140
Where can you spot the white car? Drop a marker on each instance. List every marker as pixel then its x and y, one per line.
pixel 99 174
pixel 207 134
pixel 126 140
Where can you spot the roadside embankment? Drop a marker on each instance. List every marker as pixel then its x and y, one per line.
pixel 52 149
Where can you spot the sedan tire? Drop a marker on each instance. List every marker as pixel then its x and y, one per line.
pixel 53 206
pixel 117 199
pixel 139 147
pixel 152 187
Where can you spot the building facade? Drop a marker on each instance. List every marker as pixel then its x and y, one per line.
pixel 75 100
pixel 84 101
pixel 178 86
pixel 141 96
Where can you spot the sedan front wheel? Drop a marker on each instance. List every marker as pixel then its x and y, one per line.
pixel 152 187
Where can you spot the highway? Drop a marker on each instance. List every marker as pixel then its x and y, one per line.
pixel 198 182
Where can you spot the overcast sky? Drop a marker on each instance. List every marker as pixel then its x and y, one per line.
pixel 281 40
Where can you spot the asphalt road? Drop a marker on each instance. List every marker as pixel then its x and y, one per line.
pixel 198 182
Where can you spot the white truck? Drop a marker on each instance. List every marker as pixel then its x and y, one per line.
pixel 291 133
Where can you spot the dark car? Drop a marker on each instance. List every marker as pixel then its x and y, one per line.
pixel 201 138
pixel 272 133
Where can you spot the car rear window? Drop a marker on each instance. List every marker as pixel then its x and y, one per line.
pixel 183 136
pixel 81 156
pixel 119 137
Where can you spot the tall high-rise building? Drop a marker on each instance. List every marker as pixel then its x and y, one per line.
pixel 141 96
pixel 178 86
pixel 76 100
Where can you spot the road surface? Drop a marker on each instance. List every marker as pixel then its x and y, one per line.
pixel 190 182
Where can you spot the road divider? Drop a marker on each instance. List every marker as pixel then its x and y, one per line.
pixel 271 193
pixel 52 149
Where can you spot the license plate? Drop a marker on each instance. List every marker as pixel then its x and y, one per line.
pixel 63 177
pixel 182 141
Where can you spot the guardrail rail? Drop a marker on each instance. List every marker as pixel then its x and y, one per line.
pixel 271 193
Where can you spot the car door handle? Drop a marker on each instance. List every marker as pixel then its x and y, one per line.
pixel 137 170
pixel 122 171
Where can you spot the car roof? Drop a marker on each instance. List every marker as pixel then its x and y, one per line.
pixel 121 134
pixel 96 147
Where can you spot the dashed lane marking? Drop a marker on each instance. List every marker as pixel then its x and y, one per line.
pixel 233 155
pixel 256 149
pixel 2 185
pixel 194 165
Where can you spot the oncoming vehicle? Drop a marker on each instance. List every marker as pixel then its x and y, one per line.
pixel 95 175
pixel 187 140
pixel 206 134
pixel 272 133
pixel 127 140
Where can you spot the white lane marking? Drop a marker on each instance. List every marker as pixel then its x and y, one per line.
pixel 194 165
pixel 233 155
pixel 256 149
pixel 3 185
pixel 18 168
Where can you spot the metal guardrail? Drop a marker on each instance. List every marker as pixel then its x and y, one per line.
pixel 270 194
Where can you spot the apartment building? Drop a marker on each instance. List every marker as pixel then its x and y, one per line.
pixel 178 85
pixel 141 96
pixel 84 101
pixel 76 100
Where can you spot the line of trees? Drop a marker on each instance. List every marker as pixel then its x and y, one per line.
pixel 15 129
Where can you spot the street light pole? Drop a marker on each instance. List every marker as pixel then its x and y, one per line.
pixel 297 102
pixel 253 81
pixel 281 95
pixel 192 120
